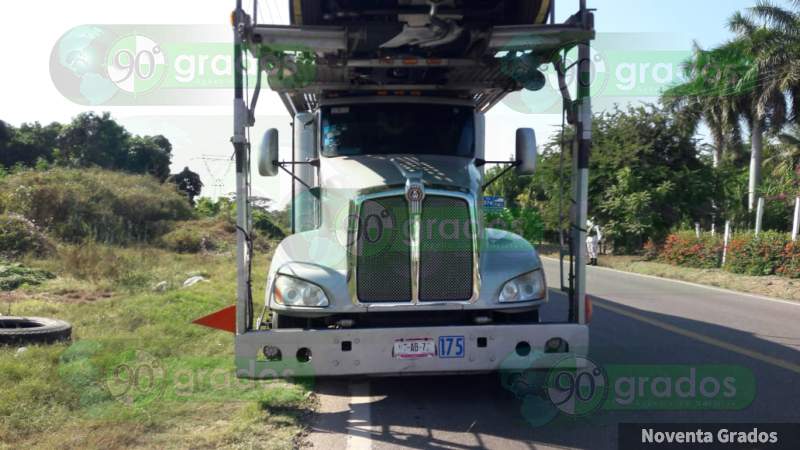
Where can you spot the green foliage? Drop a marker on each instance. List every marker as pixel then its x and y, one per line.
pixel 202 235
pixel 111 266
pixel 685 249
pixel 66 392
pixel 207 207
pixel 751 255
pixel 266 223
pixel 89 140
pixel 109 207
pixel 19 236
pixel 14 275
pixel 646 176
pixel 187 182
pixel 525 222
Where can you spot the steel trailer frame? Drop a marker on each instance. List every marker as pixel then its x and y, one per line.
pixel 485 90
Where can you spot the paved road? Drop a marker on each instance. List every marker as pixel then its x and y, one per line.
pixel 637 321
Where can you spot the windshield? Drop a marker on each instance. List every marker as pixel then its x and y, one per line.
pixel 411 128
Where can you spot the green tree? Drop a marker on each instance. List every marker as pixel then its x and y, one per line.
pixel 646 177
pixel 93 140
pixel 187 182
pixel 148 154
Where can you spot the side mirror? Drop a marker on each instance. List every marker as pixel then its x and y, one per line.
pixel 526 151
pixel 268 154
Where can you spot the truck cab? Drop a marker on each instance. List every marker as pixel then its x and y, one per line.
pixel 390 224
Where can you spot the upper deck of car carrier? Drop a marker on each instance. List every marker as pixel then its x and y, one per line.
pixel 476 50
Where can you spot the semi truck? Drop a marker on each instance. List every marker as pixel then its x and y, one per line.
pixel 392 267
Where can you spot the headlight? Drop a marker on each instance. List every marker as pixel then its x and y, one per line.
pixel 529 286
pixel 292 291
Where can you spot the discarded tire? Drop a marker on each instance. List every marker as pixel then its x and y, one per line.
pixel 33 330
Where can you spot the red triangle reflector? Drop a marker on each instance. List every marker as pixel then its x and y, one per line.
pixel 224 319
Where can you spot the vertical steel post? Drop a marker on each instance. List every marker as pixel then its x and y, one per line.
pixel 759 215
pixel 796 222
pixel 725 241
pixel 583 143
pixel 239 140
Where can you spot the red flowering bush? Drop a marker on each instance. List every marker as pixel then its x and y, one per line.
pixel 685 249
pixel 751 255
pixel 790 267
pixel 650 250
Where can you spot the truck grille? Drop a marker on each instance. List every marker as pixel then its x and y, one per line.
pixel 384 256
pixel 445 254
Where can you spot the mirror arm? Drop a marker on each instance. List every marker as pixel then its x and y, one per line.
pixel 511 165
pixel 251 113
pixel 282 165
pixel 482 162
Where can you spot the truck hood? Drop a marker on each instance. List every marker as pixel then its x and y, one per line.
pixel 358 173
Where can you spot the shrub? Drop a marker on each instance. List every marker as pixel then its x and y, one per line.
pixel 99 263
pixel 525 222
pixel 686 249
pixel 19 236
pixel 195 236
pixel 110 207
pixel 650 251
pixel 751 255
pixel 790 267
pixel 14 275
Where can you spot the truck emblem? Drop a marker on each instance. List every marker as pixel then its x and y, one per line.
pixel 415 193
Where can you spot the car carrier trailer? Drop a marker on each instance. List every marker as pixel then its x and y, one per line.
pixel 390 268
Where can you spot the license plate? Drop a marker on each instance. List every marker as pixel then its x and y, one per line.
pixel 451 346
pixel 414 348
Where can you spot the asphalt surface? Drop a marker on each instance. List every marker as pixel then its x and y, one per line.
pixel 638 321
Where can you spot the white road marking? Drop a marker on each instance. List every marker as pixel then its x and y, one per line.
pixel 689 283
pixel 359 425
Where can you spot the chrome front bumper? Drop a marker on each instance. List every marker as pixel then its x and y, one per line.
pixel 370 350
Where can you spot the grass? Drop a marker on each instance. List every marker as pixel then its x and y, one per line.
pixel 138 373
pixel 771 286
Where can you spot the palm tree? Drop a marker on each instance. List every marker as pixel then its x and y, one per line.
pixel 786 162
pixel 781 56
pixel 758 102
pixel 704 98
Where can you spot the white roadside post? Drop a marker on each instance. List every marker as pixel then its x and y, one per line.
pixel 759 215
pixel 725 240
pixel 697 229
pixel 796 226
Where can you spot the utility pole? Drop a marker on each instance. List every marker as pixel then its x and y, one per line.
pixel 242 160
pixel 583 143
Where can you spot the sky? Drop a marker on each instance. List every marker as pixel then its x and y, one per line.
pixel 640 44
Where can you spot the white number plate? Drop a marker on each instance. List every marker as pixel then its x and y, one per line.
pixel 414 348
